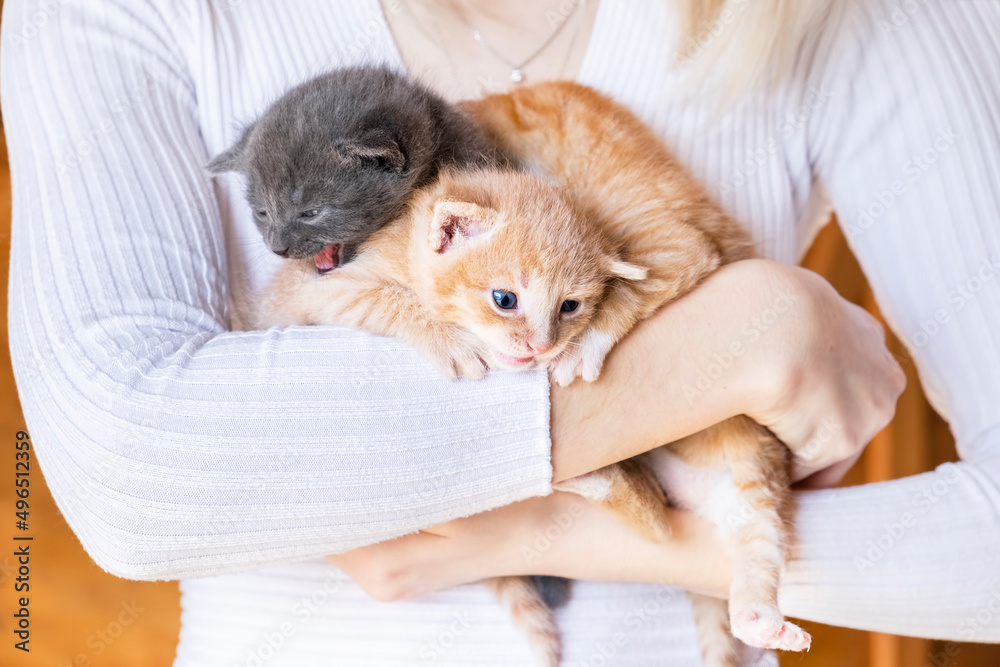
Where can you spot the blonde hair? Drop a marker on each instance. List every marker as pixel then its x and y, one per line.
pixel 744 45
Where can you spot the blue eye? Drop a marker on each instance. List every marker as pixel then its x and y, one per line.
pixel 504 300
pixel 569 306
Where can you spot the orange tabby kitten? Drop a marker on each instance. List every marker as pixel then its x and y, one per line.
pixel 485 269
pixel 619 174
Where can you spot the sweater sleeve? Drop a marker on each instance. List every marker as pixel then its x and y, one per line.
pixel 908 147
pixel 173 446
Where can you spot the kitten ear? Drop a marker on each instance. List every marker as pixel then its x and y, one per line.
pixel 377 148
pixel 627 271
pixel 231 159
pixel 455 222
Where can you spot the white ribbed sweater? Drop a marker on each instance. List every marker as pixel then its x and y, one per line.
pixel 177 448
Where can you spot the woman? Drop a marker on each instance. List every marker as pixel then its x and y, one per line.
pixel 220 457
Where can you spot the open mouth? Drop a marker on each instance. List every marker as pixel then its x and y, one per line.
pixel 512 361
pixel 328 258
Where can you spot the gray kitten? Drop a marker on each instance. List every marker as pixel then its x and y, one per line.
pixel 337 157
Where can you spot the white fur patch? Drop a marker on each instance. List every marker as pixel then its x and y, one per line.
pixel 593 349
pixel 709 492
pixel 564 369
pixel 628 271
pixel 591 486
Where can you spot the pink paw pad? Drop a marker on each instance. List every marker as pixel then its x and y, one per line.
pixel 767 629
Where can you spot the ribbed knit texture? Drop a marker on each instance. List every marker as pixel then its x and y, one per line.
pixel 179 448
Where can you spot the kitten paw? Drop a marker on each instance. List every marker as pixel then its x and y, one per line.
pixel 459 354
pixel 565 368
pixel 474 368
pixel 593 349
pixel 585 359
pixel 594 485
pixel 467 362
pixel 764 627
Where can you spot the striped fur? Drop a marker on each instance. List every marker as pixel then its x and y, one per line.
pixel 520 596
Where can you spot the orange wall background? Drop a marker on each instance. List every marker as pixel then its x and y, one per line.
pixel 82 617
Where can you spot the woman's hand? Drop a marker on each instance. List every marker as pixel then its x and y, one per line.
pixel 449 554
pixel 834 383
pixel 761 338
pixel 560 534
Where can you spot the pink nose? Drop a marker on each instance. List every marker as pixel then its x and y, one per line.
pixel 539 349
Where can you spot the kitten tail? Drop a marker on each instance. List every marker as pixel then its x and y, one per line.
pixel 521 598
pixel 718 646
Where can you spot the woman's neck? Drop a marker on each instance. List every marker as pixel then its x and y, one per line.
pixel 542 40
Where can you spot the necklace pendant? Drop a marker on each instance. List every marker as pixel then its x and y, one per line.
pixel 516 76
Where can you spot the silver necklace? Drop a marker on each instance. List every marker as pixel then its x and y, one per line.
pixel 517 69
pixel 440 41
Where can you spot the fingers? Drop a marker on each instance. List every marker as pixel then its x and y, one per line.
pixel 837 444
pixel 896 375
pixel 829 476
pixel 406 567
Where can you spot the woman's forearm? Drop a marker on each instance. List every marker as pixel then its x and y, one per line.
pixel 682 370
pixel 772 341
pixel 174 447
pixel 559 534
pixel 583 541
